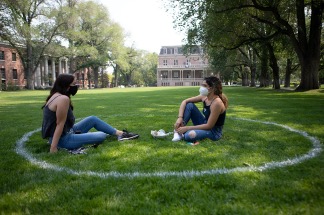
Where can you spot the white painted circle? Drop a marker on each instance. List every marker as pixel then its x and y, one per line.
pixel 314 151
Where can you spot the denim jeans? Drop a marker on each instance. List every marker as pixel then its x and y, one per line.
pixel 192 113
pixel 72 140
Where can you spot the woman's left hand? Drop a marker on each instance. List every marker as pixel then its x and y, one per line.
pixel 182 130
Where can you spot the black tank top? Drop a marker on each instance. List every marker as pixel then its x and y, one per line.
pixel 49 121
pixel 221 118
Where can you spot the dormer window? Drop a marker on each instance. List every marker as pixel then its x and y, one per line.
pixel 170 50
pixel 163 51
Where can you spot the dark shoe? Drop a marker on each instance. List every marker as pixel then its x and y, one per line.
pixel 127 136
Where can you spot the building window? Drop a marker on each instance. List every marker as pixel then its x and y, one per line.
pixel 165 62
pixel 164 74
pixel 14 57
pixel 14 74
pixel 187 62
pixel 175 62
pixel 163 51
pixel 2 56
pixel 176 74
pixel 3 74
pixel 170 51
pixel 194 50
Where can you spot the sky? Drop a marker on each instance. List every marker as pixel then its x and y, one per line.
pixel 146 22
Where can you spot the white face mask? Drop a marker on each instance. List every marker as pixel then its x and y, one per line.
pixel 203 91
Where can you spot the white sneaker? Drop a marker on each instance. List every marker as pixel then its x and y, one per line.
pixel 176 136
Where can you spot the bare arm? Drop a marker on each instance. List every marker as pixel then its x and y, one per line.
pixel 182 107
pixel 62 107
pixel 215 110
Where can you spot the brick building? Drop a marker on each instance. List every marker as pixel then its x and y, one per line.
pixel 176 69
pixel 13 74
pixel 12 70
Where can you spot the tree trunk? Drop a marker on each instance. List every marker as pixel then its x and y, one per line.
pixel 71 67
pixel 288 72
pixel 264 68
pixel 253 70
pixel 309 75
pixel 116 74
pixel 308 49
pixel 83 78
pixel 96 76
pixel 128 79
pixel 245 76
pixel 29 69
pixel 102 79
pixel 274 66
pixel 89 77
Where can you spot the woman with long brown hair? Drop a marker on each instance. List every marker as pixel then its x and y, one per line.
pixel 209 123
pixel 58 120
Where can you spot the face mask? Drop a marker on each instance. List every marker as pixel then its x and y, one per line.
pixel 73 90
pixel 203 91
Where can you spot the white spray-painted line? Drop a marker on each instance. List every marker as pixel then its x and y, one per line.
pixel 315 150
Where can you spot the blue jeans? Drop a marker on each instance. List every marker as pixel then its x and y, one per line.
pixel 192 113
pixel 73 141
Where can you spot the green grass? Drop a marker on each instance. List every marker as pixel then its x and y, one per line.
pixel 26 188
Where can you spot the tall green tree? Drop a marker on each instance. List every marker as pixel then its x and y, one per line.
pixel 299 20
pixel 149 68
pixel 133 62
pixel 117 53
pixel 146 72
pixel 30 26
pixel 91 37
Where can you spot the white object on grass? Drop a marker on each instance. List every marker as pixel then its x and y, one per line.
pixel 160 133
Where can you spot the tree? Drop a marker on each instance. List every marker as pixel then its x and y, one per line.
pixel 299 21
pixel 118 52
pixel 91 37
pixel 148 68
pixel 142 66
pixel 228 33
pixel 133 62
pixel 30 26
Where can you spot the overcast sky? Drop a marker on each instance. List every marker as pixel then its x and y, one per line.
pixel 146 22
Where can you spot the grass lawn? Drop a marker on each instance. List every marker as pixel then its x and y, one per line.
pixel 258 167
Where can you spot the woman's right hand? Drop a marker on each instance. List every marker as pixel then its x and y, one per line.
pixel 178 123
pixel 53 149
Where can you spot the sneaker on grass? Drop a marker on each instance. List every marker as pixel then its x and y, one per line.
pixel 127 136
pixel 176 136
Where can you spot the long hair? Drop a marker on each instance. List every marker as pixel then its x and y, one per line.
pixel 216 84
pixel 61 86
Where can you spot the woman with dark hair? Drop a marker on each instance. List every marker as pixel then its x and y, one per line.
pixel 58 120
pixel 207 124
